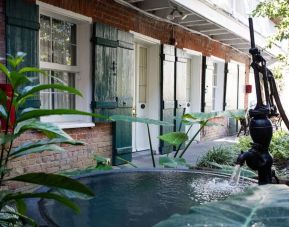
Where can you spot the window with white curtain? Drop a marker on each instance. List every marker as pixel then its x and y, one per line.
pixel 65 56
pixel 58 53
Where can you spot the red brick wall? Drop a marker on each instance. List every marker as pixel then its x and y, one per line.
pixel 116 15
pixel 214 132
pixel 2 36
pixel 98 141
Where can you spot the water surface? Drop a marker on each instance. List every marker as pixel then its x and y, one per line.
pixel 141 199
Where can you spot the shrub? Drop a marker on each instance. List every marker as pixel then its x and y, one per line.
pixel 223 155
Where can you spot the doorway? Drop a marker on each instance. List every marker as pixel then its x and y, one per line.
pixel 146 91
pixel 193 87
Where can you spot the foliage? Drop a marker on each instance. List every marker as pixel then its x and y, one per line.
pixel 102 163
pixel 260 206
pixel 179 138
pixel 277 10
pixel 279 146
pixel 169 162
pixel 223 155
pixel 244 143
pixel 28 119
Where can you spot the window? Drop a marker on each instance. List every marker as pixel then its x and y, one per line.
pixel 62 35
pixel 142 74
pixel 58 46
pixel 214 86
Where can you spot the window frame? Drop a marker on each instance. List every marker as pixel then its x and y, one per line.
pixel 82 69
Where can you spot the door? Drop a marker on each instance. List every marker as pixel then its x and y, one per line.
pixel 167 93
pixel 142 107
pixel 209 82
pixel 112 83
pixel 182 79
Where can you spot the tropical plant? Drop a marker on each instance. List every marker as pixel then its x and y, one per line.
pixel 16 120
pixel 222 155
pixel 264 205
pixel 146 121
pixel 179 138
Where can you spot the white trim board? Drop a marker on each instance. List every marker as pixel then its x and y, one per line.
pixel 147 39
pixel 193 52
pixel 51 10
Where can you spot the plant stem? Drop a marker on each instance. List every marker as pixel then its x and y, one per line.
pixel 185 149
pixel 151 147
pixel 182 143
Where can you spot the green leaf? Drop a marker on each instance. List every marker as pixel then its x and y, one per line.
pixel 29 113
pixel 100 159
pixel 49 129
pixel 18 79
pixel 171 162
pixel 31 90
pixel 44 195
pixel 21 206
pixel 33 144
pixel 236 114
pixel 4 69
pixel 174 138
pixel 3 112
pixel 265 205
pixel 208 124
pixel 139 120
pixel 31 70
pixel 17 60
pixel 5 138
pixel 54 180
pixel 50 147
pixel 200 116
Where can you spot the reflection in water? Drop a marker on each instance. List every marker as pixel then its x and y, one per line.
pixel 141 199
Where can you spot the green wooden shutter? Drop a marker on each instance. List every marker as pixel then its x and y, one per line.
pixel 167 92
pixel 112 86
pixel 22 26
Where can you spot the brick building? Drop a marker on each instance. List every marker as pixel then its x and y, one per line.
pixel 155 59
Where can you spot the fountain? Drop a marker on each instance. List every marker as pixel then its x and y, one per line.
pixel 258 157
pixel 141 197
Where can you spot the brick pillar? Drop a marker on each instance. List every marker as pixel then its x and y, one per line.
pixel 2 37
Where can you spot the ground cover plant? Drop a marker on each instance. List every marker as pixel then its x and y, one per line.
pixel 15 121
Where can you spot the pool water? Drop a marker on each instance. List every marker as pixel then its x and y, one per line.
pixel 141 199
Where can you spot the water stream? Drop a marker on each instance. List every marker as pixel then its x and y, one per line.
pixel 235 177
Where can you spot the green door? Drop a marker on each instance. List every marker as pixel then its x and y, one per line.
pixel 167 93
pixel 112 87
pixel 22 27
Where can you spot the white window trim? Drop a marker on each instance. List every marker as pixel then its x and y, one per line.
pixel 82 71
pixel 193 52
pixel 60 13
pixel 144 38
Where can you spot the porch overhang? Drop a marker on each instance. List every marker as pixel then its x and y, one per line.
pixel 208 20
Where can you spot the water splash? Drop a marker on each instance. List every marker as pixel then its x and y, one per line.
pixel 215 189
pixel 235 177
